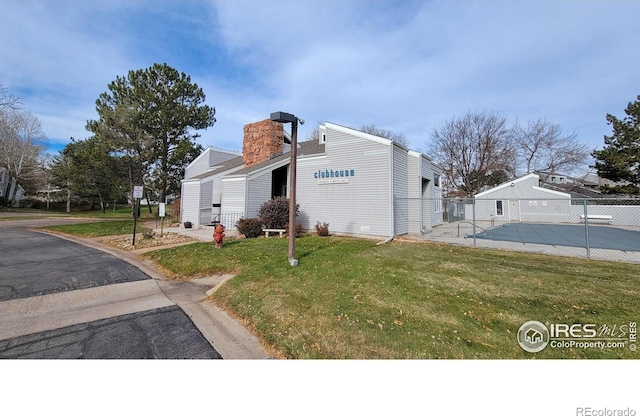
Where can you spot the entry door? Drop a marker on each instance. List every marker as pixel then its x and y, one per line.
pixel 514 210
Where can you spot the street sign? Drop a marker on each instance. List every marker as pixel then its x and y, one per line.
pixel 161 209
pixel 137 191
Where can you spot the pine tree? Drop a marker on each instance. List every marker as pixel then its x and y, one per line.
pixel 620 158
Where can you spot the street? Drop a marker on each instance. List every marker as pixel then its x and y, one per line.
pixel 60 299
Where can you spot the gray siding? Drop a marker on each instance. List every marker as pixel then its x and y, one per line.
pixel 190 202
pixel 428 204
pixel 206 196
pixel 361 206
pixel 259 192
pixel 415 202
pixel 400 190
pixel 207 159
pixel 234 196
pixel 217 157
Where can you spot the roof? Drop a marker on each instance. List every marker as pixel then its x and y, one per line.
pixel 506 184
pixel 521 179
pixel 308 148
pixel 222 167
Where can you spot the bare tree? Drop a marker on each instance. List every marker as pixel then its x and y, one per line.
pixel 314 134
pixel 542 147
pixel 21 136
pixel 387 134
pixel 8 101
pixel 473 151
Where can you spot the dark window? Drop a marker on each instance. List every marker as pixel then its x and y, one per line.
pixel 279 182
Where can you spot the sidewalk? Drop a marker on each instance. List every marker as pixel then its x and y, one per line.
pixel 200 232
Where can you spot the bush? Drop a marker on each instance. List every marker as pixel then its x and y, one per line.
pixel 250 227
pixel 298 229
pixel 148 233
pixel 275 212
pixel 322 230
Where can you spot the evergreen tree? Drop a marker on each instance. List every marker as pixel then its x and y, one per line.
pixel 620 158
pixel 151 116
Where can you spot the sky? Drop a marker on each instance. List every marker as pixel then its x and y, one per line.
pixel 405 66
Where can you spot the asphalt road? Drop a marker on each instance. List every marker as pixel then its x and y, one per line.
pixel 60 299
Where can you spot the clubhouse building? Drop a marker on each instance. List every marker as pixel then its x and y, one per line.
pixel 359 183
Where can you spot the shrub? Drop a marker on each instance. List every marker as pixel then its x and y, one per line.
pixel 148 233
pixel 298 229
pixel 322 230
pixel 275 212
pixel 250 227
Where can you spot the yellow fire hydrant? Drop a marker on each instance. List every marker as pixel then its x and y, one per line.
pixel 218 235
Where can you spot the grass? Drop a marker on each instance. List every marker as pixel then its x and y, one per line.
pixel 98 228
pixel 121 212
pixel 351 299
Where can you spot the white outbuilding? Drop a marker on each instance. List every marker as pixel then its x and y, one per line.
pixel 521 199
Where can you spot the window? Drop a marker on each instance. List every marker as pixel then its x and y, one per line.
pixel 499 210
pixel 437 205
pixel 436 180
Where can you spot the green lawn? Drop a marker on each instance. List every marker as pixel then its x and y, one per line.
pixel 121 212
pixel 98 228
pixel 349 298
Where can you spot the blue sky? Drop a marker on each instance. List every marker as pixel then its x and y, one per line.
pixel 401 65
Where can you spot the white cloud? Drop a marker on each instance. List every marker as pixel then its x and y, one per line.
pixel 406 66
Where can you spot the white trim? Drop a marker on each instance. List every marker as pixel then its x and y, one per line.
pixel 213 175
pixel 507 184
pixel 258 172
pixel 190 180
pixel 234 178
pixel 268 168
pixel 392 194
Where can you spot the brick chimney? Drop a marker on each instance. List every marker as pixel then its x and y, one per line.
pixel 262 140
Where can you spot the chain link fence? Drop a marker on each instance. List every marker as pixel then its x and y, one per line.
pixel 602 228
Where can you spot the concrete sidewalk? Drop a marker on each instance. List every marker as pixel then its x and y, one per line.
pixel 225 334
pixel 200 232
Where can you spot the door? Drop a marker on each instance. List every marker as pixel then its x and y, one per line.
pixel 514 210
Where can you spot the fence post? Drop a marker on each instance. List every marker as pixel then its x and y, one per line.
pixel 586 227
pixel 474 221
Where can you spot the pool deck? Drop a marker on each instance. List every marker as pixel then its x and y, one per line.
pixel 462 234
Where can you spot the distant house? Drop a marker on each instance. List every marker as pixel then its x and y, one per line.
pixel 347 178
pixel 10 189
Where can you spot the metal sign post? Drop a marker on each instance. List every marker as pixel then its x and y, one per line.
pixel 137 194
pixel 161 214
